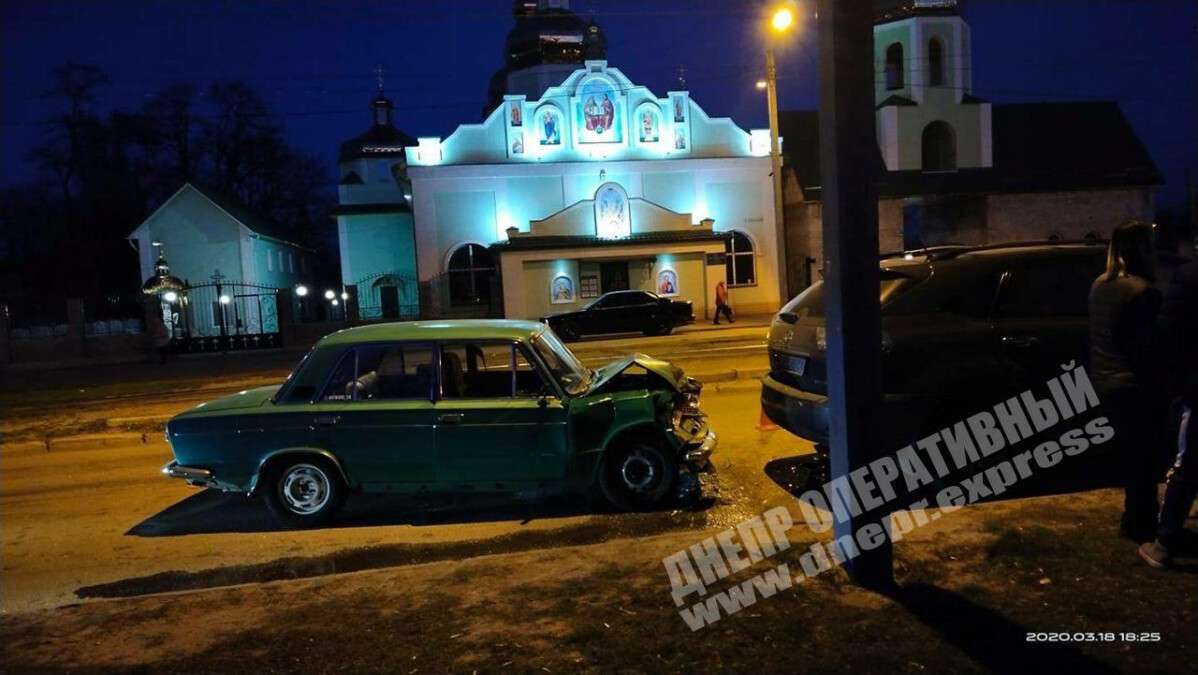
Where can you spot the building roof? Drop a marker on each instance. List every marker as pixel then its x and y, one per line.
pixel 458 329
pixel 1038 147
pixel 531 243
pixel 236 210
pixel 380 140
pixel 256 223
pixel 886 11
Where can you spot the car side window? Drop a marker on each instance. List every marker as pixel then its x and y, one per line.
pixel 340 384
pixel 528 379
pixel 1047 290
pixel 487 370
pixel 389 372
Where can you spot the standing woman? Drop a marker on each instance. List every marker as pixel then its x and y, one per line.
pixel 1123 308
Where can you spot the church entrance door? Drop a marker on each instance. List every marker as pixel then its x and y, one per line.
pixel 613 276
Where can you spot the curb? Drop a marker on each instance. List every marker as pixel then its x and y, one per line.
pixel 87 440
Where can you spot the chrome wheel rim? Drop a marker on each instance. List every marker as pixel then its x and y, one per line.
pixel 305 489
pixel 638 472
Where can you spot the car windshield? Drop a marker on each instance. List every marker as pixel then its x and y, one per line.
pixel 574 377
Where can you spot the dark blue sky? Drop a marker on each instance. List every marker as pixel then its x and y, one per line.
pixel 314 61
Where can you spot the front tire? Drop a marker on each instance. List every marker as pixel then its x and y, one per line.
pixel 639 477
pixel 304 492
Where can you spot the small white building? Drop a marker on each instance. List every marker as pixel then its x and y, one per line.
pixel 211 239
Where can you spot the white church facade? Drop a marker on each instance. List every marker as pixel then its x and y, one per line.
pixel 597 184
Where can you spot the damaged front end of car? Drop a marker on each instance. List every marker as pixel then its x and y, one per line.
pixel 675 407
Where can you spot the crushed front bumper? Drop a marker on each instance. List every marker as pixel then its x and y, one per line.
pixel 696 476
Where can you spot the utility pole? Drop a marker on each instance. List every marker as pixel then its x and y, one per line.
pixel 771 87
pixel 848 147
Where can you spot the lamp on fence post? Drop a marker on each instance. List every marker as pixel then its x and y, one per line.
pixel 301 292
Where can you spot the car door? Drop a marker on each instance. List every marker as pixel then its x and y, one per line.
pixel 642 311
pixel 606 315
pixel 500 425
pixel 376 415
pixel 1041 315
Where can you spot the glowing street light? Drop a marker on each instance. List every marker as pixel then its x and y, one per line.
pixel 335 303
pixel 329 294
pixel 761 84
pixel 782 20
pixel 170 296
pixel 344 295
pixel 224 299
pixel 301 290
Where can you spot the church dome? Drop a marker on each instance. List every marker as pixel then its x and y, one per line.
pixel 382 139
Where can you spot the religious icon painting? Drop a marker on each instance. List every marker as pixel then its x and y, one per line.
pixel 518 145
pixel 550 123
pixel 649 123
pixel 667 282
pixel 679 138
pixel 597 121
pixel 561 290
pixel 517 114
pixel 679 109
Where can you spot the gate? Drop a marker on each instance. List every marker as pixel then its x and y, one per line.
pixel 226 316
pixel 388 296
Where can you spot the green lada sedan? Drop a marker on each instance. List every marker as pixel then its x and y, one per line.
pixel 476 406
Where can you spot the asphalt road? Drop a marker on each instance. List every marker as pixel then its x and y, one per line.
pixel 91 516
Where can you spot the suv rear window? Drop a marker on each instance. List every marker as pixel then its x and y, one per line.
pixel 810 303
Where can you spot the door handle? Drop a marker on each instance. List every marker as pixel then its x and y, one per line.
pixel 326 420
pixel 1019 340
pixel 449 418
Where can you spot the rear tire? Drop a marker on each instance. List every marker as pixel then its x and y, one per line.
pixel 638 477
pixel 304 491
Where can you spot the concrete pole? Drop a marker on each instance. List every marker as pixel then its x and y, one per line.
pixel 771 84
pixel 848 150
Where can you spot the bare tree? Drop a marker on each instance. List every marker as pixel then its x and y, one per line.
pixel 74 132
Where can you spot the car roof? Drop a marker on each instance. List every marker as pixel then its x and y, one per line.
pixel 911 261
pixel 449 329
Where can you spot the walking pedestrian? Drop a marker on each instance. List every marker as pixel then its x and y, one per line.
pixel 1123 311
pixel 1178 326
pixel 721 303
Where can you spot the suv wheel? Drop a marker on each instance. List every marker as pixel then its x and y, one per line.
pixel 304 492
pixel 638 477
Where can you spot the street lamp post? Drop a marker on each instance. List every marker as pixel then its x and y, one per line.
pixel 780 22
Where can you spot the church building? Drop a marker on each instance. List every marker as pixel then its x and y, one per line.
pixel 954 168
pixel 578 182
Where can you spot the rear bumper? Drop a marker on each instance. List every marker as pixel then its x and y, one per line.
pixel 195 476
pixel 802 413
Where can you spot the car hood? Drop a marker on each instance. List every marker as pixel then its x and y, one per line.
pixel 670 373
pixel 246 398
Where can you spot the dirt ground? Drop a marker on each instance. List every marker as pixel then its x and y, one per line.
pixel 971 587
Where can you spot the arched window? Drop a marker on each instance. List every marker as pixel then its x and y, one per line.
pixel 935 63
pixel 939 147
pixel 471 271
pixel 741 267
pixel 894 66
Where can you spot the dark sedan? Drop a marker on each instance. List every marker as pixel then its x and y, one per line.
pixel 623 312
